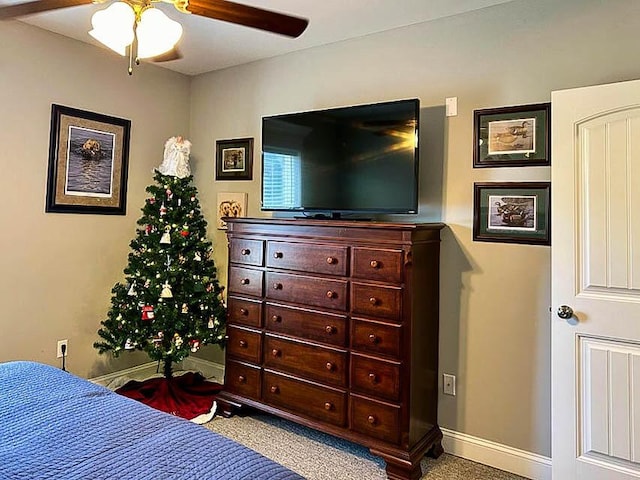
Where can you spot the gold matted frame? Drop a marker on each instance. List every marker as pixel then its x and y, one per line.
pixel 88 162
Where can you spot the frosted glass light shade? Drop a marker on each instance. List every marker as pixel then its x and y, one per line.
pixel 113 26
pixel 156 33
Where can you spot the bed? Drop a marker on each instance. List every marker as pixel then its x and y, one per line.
pixel 54 425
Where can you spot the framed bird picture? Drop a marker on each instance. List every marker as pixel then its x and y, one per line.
pixel 517 136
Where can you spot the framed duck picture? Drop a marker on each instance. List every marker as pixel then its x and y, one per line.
pixel 517 136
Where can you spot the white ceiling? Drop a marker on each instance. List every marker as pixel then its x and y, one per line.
pixel 208 45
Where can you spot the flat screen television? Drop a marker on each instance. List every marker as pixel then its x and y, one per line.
pixel 357 159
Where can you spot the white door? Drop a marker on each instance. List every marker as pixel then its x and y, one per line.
pixel 595 248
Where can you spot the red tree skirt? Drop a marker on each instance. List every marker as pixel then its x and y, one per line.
pixel 187 396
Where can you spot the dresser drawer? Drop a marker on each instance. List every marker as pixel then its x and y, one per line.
pixel 377 264
pixel 245 281
pixel 308 257
pixel 243 343
pixel 379 378
pixel 315 401
pixel 242 379
pixel 322 327
pixel 375 419
pixel 313 291
pixel 323 364
pixel 245 312
pixel 377 301
pixel 376 337
pixel 248 252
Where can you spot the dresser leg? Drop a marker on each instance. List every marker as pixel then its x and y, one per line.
pixel 226 407
pixel 404 472
pixel 436 450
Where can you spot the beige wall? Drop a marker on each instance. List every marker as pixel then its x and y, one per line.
pixel 495 322
pixel 57 270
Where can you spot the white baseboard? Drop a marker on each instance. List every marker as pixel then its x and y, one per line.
pixel 138 372
pixel 211 370
pixel 520 462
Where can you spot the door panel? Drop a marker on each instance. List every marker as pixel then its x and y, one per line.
pixel 595 259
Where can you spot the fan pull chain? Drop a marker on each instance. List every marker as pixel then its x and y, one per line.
pixel 130 60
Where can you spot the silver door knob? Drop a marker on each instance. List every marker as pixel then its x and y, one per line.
pixel 565 311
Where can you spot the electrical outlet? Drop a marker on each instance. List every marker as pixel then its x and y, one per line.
pixel 64 342
pixel 449 384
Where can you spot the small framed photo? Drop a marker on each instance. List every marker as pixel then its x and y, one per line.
pixel 516 212
pixel 230 204
pixel 88 161
pixel 234 159
pixel 512 136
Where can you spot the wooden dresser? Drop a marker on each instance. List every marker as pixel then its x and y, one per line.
pixel 334 325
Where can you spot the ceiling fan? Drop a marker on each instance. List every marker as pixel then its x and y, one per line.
pixel 148 33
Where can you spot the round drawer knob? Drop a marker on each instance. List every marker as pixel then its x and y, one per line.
pixel 274 389
pixel 242 379
pixel 276 318
pixel 243 343
pixel 328 406
pixel 277 255
pixel 329 366
pixel 244 281
pixel 373 378
pixel 331 260
pixel 331 294
pixel 373 338
pixel 275 352
pixel 277 286
pixel 374 264
pixel 245 251
pixel 244 311
pixel 371 419
pixel 329 329
pixel 373 301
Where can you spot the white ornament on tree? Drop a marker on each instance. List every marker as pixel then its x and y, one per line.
pixel 166 291
pixel 166 236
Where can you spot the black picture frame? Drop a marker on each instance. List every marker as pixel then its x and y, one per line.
pixel 234 159
pixel 512 212
pixel 88 162
pixel 518 136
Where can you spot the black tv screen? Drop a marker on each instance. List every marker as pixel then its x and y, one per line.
pixel 353 159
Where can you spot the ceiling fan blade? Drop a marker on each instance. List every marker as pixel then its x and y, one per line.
pixel 173 54
pixel 20 9
pixel 249 16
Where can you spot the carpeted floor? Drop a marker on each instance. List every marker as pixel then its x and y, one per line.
pixel 318 456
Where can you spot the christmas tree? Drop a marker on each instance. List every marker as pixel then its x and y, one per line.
pixel 171 302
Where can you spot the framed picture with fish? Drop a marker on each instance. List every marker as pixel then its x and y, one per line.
pixel 512 212
pixel 517 136
pixel 88 161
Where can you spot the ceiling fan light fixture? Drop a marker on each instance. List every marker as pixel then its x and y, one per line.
pixel 156 33
pixel 113 26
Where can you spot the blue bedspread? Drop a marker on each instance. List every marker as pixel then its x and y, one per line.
pixel 54 425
